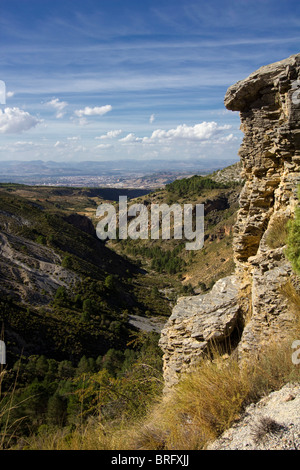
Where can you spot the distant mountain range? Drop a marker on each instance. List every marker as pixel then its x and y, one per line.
pixel 9 170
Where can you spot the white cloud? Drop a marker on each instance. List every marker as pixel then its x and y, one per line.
pixel 110 134
pixel 152 118
pixel 80 148
pixel 58 105
pixel 129 138
pixel 199 132
pixel 19 145
pixel 230 138
pixel 15 120
pixel 10 94
pixel 24 144
pixel 104 146
pixel 83 121
pixel 96 111
pixel 205 132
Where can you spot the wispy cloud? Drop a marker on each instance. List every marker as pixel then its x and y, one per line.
pixel 152 118
pixel 153 60
pixel 129 138
pixel 96 111
pixel 103 146
pixel 58 105
pixel 110 134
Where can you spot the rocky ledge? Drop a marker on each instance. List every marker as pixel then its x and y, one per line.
pixel 252 301
pixel 198 322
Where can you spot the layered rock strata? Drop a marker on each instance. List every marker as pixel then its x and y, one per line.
pixel 196 323
pixel 253 298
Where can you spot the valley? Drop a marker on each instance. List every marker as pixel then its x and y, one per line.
pixel 67 297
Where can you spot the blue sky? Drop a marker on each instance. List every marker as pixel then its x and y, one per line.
pixel 111 79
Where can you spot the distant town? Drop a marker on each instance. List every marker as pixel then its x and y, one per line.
pixel 106 181
pixel 121 174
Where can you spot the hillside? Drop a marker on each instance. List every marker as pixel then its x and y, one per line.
pixel 49 249
pixel 72 304
pixel 54 273
pixel 229 348
pixel 196 270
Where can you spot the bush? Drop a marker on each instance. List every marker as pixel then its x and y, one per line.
pixel 67 262
pixel 61 297
pixel 109 282
pixel 41 239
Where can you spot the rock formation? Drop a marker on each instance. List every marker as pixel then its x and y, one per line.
pixel 195 323
pixel 271 424
pixel 249 307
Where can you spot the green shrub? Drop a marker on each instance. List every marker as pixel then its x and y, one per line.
pixel 67 262
pixel 196 183
pixel 109 282
pixel 41 239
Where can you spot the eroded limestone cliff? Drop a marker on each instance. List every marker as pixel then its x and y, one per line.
pixel 249 308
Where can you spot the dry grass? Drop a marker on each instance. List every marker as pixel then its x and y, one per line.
pixel 264 427
pixel 205 403
pixel 8 428
pixel 208 401
pixel 123 435
pixel 276 235
pixel 291 291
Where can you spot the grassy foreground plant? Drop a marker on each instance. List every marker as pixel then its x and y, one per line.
pixel 208 400
pixel 205 403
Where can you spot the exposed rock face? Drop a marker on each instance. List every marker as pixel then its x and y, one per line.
pixel 270 155
pixel 197 322
pixel 270 151
pixel 229 174
pixel 29 271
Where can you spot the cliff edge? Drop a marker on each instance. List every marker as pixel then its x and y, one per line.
pixel 250 307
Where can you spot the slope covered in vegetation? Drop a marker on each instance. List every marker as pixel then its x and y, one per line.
pixel 67 299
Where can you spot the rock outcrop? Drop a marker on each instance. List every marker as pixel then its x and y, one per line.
pixel 252 299
pixel 270 155
pixel 271 424
pixel 30 272
pixel 198 322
